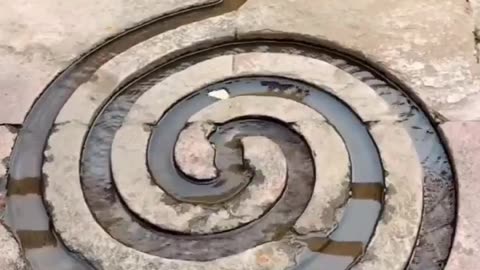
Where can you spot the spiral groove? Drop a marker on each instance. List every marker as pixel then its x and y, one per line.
pixel 231 154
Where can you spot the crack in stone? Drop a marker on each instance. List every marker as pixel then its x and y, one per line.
pixel 13 128
pixel 475 32
pixel 476 36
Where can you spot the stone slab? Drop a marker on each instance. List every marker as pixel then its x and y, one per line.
pixel 38 39
pixel 10 252
pixel 7 138
pixel 464 143
pixel 475 10
pixel 194 154
pixel 410 39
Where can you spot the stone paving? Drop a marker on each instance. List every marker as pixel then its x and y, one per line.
pixel 239 134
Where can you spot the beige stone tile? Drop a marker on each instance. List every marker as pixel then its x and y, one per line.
pixel 7 137
pixel 464 143
pixel 10 253
pixel 38 39
pixel 426 44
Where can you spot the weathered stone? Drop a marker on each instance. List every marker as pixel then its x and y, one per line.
pixel 86 100
pixel 475 10
pixel 7 138
pixel 404 38
pixel 11 255
pixel 39 39
pixel 193 152
pixel 464 144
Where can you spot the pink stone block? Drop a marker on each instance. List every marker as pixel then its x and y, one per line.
pixel 464 142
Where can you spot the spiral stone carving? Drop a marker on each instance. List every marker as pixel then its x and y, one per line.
pixel 193 148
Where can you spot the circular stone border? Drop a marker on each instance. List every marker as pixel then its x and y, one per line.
pixel 388 118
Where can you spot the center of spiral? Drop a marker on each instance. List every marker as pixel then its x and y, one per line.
pixel 202 161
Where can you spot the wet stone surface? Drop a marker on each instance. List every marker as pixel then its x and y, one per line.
pixel 11 257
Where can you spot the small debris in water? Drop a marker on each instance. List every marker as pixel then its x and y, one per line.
pixel 220 94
